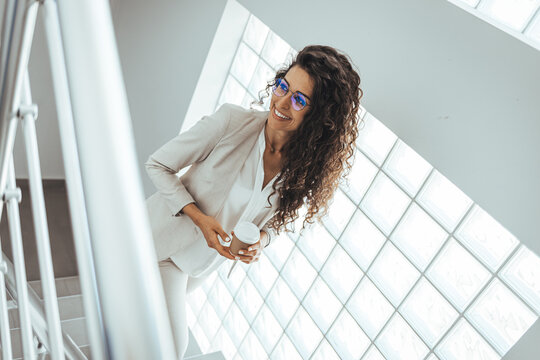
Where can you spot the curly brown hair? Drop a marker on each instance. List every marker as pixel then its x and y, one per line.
pixel 319 152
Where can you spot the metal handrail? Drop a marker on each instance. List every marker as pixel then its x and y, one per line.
pixel 111 229
pixel 37 315
pixel 13 197
pixel 134 310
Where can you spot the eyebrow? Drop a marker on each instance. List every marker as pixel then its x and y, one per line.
pixel 288 83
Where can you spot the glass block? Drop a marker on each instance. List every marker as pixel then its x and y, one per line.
pixel 471 3
pixel 398 341
pixel 220 298
pixel 295 227
pixel 298 273
pixel 247 101
pixel 325 351
pixel 339 214
pixel 285 350
pixel 249 300
pixel 209 320
pixel 262 75
pixel 263 274
pixel 282 302
pixel 457 274
pixel 275 50
pixel 515 13
pixel 316 244
pixel 200 336
pixel 533 31
pixel 418 236
pixel 362 240
pixel 232 92
pixel 463 342
pixel 428 312
pixel 393 274
pixel 444 200
pixel 279 251
pixel 373 354
pixel 191 318
pixel 196 300
pixel 341 273
pixel 407 168
pixel 244 64
pixel 236 325
pixel 223 342
pixel 303 332
pixel 237 277
pixel 500 316
pixel 251 348
pixel 522 273
pixel 384 203
pixel 208 283
pixel 361 176
pixel 486 238
pixel 375 139
pixel 347 338
pixel 267 329
pixel 369 307
pixel 322 304
pixel 255 33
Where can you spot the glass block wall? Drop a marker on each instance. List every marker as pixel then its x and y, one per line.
pixel 520 18
pixel 405 266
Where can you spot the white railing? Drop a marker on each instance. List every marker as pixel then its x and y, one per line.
pixel 122 295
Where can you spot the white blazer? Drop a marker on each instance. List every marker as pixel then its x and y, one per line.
pixel 216 147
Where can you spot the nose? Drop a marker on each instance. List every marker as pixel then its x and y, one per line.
pixel 284 102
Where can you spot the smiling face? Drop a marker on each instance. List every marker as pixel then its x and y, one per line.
pixel 283 117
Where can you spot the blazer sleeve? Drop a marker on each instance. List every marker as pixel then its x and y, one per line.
pixel 189 147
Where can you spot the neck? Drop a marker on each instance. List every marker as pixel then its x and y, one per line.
pixel 276 139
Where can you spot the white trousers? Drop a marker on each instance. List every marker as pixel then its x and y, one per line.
pixel 177 284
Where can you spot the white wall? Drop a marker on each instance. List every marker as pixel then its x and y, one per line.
pixel 163 45
pixel 47 125
pixel 459 91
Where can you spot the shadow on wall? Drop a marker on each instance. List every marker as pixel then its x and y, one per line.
pixel 61 236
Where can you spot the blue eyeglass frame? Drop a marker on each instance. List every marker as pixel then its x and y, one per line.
pixel 298 99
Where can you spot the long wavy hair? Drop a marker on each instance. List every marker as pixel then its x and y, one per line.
pixel 319 152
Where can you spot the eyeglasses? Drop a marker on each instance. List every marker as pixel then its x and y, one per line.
pixel 298 100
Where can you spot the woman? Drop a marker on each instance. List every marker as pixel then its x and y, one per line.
pixel 249 165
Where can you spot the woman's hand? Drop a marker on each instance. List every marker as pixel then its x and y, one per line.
pixel 253 253
pixel 211 229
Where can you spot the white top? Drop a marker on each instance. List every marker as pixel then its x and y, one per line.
pixel 246 201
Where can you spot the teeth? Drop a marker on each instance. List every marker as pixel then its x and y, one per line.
pixel 280 114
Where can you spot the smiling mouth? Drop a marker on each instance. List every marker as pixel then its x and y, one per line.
pixel 280 115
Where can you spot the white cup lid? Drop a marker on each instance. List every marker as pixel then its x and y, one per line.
pixel 247 232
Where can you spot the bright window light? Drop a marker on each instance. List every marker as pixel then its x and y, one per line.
pixel 399 341
pixel 513 13
pixel 500 316
pixel 404 264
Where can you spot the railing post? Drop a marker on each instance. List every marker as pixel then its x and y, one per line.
pixel 41 228
pixel 130 289
pixel 76 199
pixel 12 199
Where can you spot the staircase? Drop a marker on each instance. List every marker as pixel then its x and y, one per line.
pixel 73 322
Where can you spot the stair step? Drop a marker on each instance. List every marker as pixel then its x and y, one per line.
pixel 69 307
pixel 218 355
pixel 65 286
pixel 75 328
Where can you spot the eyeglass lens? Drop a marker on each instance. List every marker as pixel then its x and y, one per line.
pixel 281 88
